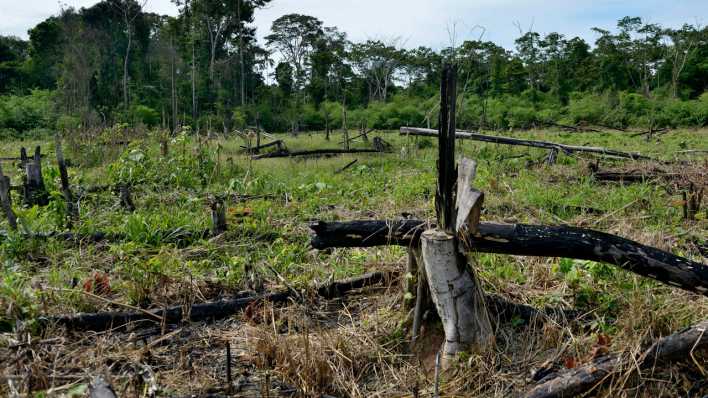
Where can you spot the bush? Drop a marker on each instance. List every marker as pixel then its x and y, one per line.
pixel 590 108
pixel 24 113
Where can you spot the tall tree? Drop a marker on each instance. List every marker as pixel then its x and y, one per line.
pixel 295 37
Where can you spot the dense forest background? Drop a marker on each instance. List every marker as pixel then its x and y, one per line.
pixel 114 63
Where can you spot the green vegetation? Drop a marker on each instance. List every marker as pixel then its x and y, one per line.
pixel 152 267
pixel 205 69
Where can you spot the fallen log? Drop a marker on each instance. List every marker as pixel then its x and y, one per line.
pixel 650 132
pixel 503 309
pixel 314 152
pixel 117 319
pixel 574 382
pixel 204 311
pixel 529 240
pixel 16 159
pixel 631 177
pixel 177 235
pixel 568 149
pixel 574 128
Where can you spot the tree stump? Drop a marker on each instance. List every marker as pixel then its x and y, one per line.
pixel 457 295
pixel 126 200
pixel 453 286
pixel 218 216
pixel 71 209
pixel 35 193
pixel 6 200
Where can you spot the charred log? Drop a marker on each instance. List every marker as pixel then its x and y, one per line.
pixel 529 240
pixel 568 149
pixel 312 153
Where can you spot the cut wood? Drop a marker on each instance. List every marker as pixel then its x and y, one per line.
pixel 14 159
pixel 529 240
pixel 676 347
pixel 314 152
pixel 358 136
pixel 502 309
pixel 568 149
pixel 574 128
pixel 650 132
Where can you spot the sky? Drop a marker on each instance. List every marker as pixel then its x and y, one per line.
pixel 432 23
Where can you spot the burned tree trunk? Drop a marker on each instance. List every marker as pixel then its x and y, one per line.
pixel 454 288
pixel 692 199
pixel 218 216
pixel 126 199
pixel 6 200
pixel 35 192
pixel 71 209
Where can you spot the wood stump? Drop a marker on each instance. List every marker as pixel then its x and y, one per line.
pixel 218 216
pixel 457 295
pixel 35 193
pixel 6 200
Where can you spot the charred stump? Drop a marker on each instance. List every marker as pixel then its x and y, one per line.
pixel 125 197
pixel 34 190
pixel 71 209
pixel 6 200
pixel 218 216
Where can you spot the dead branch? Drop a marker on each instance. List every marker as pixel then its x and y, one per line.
pixel 678 346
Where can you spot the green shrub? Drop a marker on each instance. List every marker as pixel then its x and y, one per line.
pixel 27 112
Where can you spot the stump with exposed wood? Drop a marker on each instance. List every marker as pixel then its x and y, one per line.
pixel 453 285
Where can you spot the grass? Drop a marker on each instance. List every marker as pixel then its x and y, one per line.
pixel 356 346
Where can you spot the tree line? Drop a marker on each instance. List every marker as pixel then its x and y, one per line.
pixel 116 63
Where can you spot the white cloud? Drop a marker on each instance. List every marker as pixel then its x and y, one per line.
pixel 421 22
